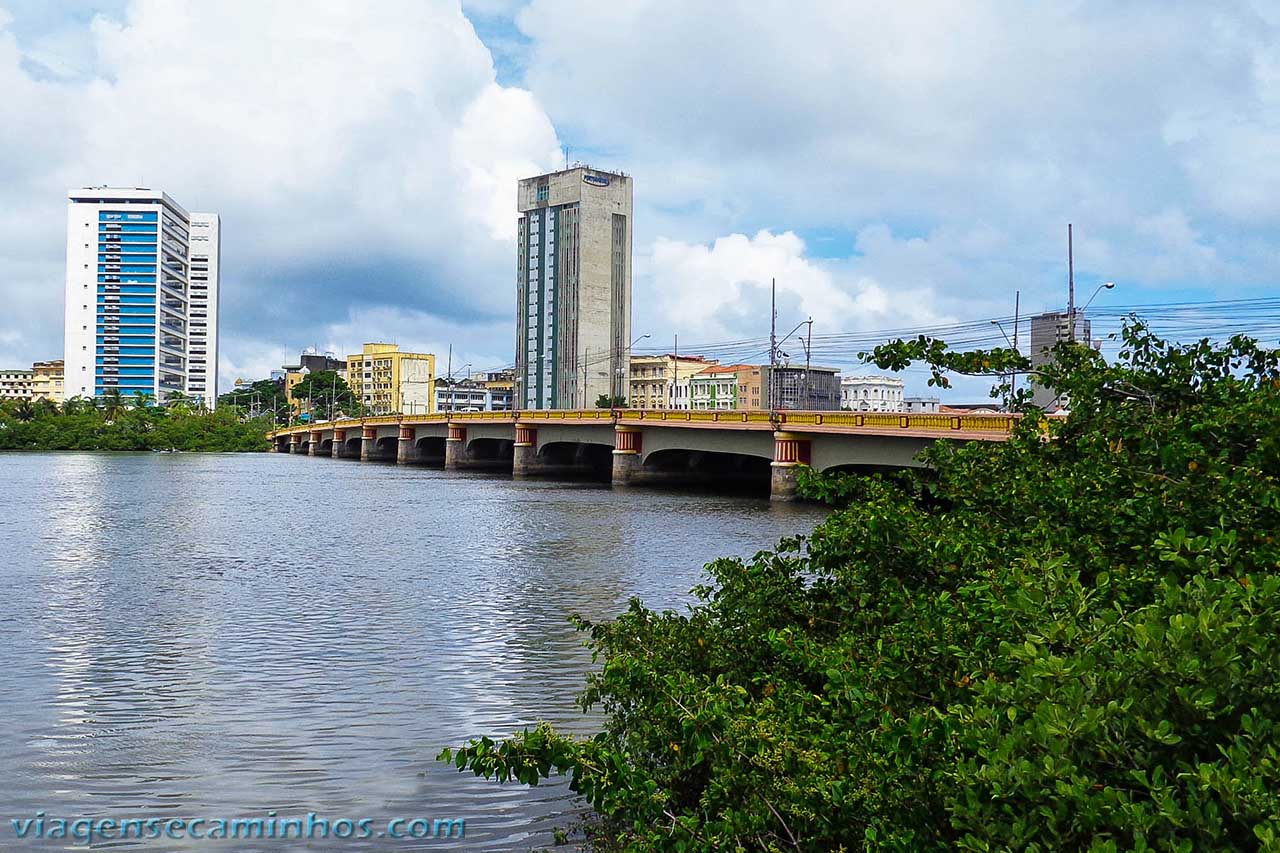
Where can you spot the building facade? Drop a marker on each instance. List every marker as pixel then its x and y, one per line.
pixel 47 381
pixel 654 378
pixel 573 288
pixel 15 384
pixel 130 314
pixel 1047 331
pixel 871 394
pixel 202 334
pixel 920 405
pixel 310 361
pixel 463 395
pixel 796 387
pixel 386 381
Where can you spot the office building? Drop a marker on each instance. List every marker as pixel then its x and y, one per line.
pixel 654 378
pixel 815 389
pixel 131 311
pixel 463 395
pixel 15 384
pixel 1047 331
pixel 573 288
pixel 501 385
pixel 386 381
pixel 871 394
pixel 47 381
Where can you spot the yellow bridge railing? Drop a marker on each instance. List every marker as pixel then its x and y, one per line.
pixel 943 423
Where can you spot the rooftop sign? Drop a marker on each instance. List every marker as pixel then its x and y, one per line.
pixel 595 180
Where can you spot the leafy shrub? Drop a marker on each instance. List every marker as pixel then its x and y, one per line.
pixel 1069 640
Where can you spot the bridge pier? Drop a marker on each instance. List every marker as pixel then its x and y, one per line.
pixel 339 439
pixel 455 448
pixel 313 446
pixel 295 443
pixel 407 448
pixel 368 443
pixel 524 460
pixel 627 460
pixel 790 451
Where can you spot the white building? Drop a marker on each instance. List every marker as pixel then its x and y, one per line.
pixel 141 311
pixel 871 394
pixel 920 405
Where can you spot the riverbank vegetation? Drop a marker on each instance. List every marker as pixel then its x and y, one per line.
pixel 115 422
pixel 1067 641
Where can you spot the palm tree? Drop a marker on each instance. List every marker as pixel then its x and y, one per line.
pixel 77 406
pixel 141 399
pixel 113 405
pixel 24 411
pixel 180 403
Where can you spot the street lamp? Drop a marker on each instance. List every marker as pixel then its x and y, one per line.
pixel 625 368
pixel 807 345
pixel 1106 285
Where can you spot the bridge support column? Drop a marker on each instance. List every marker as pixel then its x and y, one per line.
pixel 368 443
pixel 455 447
pixel 407 449
pixel 313 447
pixel 626 455
pixel 295 443
pixel 339 440
pixel 525 455
pixel 790 451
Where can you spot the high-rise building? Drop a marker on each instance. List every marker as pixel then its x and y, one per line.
pixel 573 288
pixel 1047 331
pixel 202 335
pixel 137 317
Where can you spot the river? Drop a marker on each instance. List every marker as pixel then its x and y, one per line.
pixel 220 636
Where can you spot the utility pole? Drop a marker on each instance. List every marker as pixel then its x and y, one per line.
pixel 773 337
pixel 807 348
pixel 1017 299
pixel 447 379
pixel 1071 289
pixel 675 370
pixel 586 354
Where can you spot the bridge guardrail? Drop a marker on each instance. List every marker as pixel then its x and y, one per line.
pixel 940 422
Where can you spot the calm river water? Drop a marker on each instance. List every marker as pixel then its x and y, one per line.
pixel 205 636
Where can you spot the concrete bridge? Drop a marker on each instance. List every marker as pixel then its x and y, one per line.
pixel 636 446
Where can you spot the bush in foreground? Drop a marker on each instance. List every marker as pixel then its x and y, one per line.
pixel 1067 641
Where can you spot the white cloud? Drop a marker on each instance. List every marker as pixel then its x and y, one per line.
pixel 359 156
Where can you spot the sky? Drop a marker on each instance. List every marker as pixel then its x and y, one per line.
pixel 891 165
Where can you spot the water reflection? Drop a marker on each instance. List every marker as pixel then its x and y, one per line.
pixel 222 636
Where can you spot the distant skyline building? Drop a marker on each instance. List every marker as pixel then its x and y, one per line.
pixel 1047 331
pixel 871 394
pixel 573 288
pixel 141 310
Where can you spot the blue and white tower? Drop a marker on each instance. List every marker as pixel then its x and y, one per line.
pixel 137 317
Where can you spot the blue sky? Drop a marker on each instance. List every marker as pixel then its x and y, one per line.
pixel 890 166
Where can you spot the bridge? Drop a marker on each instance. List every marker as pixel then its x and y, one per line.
pixel 638 446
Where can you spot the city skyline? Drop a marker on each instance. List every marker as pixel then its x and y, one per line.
pixel 871 205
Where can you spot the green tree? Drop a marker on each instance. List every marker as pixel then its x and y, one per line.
pixel 258 398
pixel 604 401
pixel 1067 640
pixel 327 392
pixel 113 404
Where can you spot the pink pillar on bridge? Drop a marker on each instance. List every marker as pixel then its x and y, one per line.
pixel 790 451
pixel 407 447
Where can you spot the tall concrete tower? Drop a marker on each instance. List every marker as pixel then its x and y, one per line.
pixel 141 312
pixel 573 288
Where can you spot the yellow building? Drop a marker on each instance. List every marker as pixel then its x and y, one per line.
pixel 386 381
pixel 47 381
pixel 654 379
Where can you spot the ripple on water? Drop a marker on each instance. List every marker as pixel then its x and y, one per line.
pixel 219 636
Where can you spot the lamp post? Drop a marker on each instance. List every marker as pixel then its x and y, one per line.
pixel 1106 285
pixel 806 343
pixel 624 370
